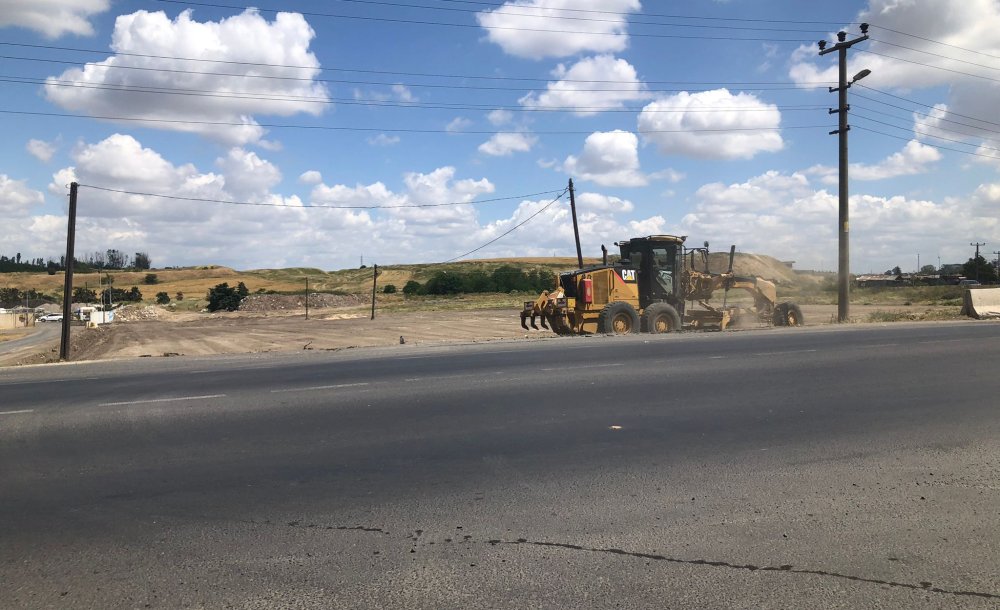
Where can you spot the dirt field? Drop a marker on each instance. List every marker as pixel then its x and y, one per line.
pixel 158 332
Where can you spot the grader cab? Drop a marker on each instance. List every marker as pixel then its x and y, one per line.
pixel 654 287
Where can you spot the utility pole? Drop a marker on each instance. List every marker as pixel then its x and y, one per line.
pixel 844 254
pixel 307 298
pixel 374 282
pixel 576 229
pixel 975 261
pixel 68 283
pixel 996 268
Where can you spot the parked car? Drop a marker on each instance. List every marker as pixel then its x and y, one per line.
pixel 51 317
pixel 967 283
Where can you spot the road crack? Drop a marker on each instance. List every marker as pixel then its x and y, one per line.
pixel 922 586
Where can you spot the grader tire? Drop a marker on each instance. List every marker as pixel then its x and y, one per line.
pixel 788 314
pixel 660 318
pixel 618 318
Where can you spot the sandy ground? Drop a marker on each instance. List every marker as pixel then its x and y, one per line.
pixel 189 334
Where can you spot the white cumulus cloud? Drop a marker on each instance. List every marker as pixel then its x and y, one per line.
pixel 146 40
pixel 53 18
pixel 41 149
pixel 712 125
pixel 590 86
pixel 536 29
pixel 504 144
pixel 311 177
pixel 915 158
pixel 16 199
pixel 609 158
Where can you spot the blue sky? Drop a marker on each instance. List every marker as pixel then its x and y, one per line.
pixel 707 119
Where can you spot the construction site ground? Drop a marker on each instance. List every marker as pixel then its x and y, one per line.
pixel 153 331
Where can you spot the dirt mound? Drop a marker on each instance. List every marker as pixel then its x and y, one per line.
pixel 759 265
pixel 282 302
pixel 138 313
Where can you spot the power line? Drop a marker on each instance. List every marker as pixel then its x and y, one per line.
pixel 509 231
pixel 358 70
pixel 503 28
pixel 905 139
pixel 906 99
pixel 264 96
pixel 335 207
pixel 385 129
pixel 971 63
pixel 935 41
pixel 924 114
pixel 508 13
pixel 781 87
pixel 918 63
pixel 490 5
pixel 924 133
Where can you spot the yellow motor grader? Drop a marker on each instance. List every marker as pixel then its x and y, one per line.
pixel 654 287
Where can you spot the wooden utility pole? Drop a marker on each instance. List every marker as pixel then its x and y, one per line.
pixel 68 283
pixel 975 261
pixel 307 298
pixel 576 229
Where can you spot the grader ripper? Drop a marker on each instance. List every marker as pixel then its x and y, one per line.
pixel 653 287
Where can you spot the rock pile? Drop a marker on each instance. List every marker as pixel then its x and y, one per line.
pixel 282 302
pixel 137 313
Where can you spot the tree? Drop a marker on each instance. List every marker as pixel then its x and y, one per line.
pixel 150 279
pixel 443 282
pixel 162 298
pixel 84 295
pixel 141 261
pixel 413 287
pixel 928 270
pixel 979 269
pixel 223 296
pixel 389 289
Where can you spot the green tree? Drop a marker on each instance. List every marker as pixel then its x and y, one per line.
pixel 389 289
pixel 141 261
pixel 928 270
pixel 443 282
pixel 150 279
pixel 162 298
pixel 979 268
pixel 413 287
pixel 84 295
pixel 223 296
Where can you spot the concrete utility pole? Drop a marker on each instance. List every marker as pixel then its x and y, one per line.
pixel 68 283
pixel 374 283
pixel 576 229
pixel 844 262
pixel 975 261
pixel 996 268
pixel 307 298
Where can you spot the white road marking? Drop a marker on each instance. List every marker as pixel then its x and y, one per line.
pixel 943 341
pixel 146 402
pixel 320 387
pixel 583 366
pixel 879 345
pixel 794 351
pixel 716 357
pixel 16 412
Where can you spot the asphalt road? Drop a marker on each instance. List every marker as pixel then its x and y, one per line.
pixel 824 468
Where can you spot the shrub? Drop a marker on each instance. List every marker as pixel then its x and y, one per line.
pixel 162 298
pixel 389 289
pixel 150 279
pixel 413 287
pixel 223 296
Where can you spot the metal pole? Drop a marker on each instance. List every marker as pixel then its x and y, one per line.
pixel 307 298
pixel 68 283
pixel 576 229
pixel 374 282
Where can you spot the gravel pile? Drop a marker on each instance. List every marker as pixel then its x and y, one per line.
pixel 137 313
pixel 281 302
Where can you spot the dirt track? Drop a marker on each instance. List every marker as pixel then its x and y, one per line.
pixel 169 334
